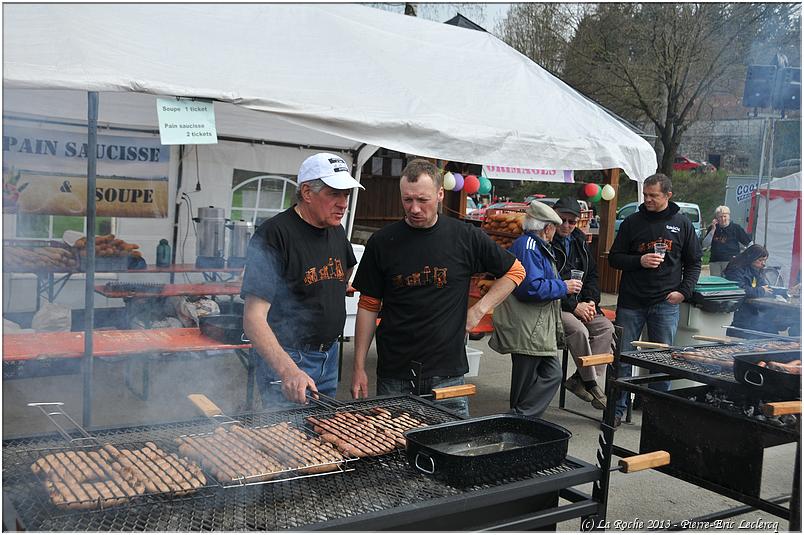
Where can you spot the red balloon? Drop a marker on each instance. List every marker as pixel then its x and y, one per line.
pixel 591 189
pixel 471 184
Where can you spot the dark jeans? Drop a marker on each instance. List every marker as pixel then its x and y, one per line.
pixel 661 320
pixel 387 386
pixel 322 367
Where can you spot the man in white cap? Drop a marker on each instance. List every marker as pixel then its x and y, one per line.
pixel 297 270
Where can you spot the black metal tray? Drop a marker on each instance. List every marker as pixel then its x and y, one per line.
pixel 484 449
pixel 771 383
pixel 226 328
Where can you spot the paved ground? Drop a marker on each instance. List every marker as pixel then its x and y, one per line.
pixel 646 496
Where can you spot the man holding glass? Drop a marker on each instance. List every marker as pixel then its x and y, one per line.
pixel 660 257
pixel 586 330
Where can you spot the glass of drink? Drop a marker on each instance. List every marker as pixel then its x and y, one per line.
pixel 576 274
pixel 660 248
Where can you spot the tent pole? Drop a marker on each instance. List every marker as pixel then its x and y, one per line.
pixel 770 172
pixel 89 288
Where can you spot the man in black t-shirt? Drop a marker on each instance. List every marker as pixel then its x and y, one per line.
pixel 418 271
pixel 725 238
pixel 294 286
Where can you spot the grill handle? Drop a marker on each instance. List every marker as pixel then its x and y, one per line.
pixel 456 391
pixel 778 408
pixel 650 345
pixel 209 409
pixel 595 360
pixel 51 409
pixel 720 339
pixel 644 461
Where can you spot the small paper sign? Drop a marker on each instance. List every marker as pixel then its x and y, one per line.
pixel 186 122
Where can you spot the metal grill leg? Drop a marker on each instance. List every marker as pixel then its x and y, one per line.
pixel 562 393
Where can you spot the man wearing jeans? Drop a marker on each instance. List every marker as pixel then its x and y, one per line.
pixel 417 271
pixel 653 284
pixel 294 286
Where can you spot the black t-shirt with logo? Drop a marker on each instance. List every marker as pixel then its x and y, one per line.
pixel 726 242
pixel 301 270
pixel 422 277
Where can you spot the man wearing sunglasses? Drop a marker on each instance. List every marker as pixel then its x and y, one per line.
pixel 586 330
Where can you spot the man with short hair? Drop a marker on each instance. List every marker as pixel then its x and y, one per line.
pixel 294 286
pixel 417 271
pixel 586 330
pixel 653 284
pixel 725 239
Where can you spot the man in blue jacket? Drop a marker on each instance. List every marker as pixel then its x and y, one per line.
pixel 653 285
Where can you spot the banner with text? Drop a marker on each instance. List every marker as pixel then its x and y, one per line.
pixel 44 172
pixel 525 173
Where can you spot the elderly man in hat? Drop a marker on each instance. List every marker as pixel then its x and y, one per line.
pixel 528 323
pixel 586 330
pixel 298 265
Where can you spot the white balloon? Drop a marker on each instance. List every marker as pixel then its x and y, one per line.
pixel 608 192
pixel 449 181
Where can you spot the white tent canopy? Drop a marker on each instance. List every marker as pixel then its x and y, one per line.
pixel 778 224
pixel 340 76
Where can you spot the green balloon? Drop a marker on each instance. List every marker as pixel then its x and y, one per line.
pixel 485 186
pixel 597 196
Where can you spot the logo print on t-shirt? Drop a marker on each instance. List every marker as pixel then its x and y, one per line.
pixel 330 270
pixel 648 247
pixel 427 277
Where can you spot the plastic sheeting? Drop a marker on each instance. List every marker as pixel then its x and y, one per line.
pixel 336 75
pixel 783 236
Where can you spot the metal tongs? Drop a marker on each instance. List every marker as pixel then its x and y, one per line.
pixel 85 440
pixel 328 402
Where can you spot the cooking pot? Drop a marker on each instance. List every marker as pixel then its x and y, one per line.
pixel 770 383
pixel 226 328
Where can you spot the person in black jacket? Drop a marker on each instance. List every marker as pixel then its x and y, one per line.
pixel 653 283
pixel 746 270
pixel 725 239
pixel 586 330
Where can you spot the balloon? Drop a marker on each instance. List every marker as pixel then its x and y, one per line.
pixel 596 196
pixel 471 184
pixel 591 189
pixel 485 186
pixel 458 182
pixel 449 181
pixel 608 192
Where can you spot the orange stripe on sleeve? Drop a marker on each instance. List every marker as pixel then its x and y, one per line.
pixel 516 273
pixel 372 304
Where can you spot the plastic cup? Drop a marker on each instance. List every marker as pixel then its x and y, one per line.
pixel 660 248
pixel 576 274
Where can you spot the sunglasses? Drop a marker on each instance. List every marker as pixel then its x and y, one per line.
pixel 569 221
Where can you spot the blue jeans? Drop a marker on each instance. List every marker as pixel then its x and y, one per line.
pixel 662 321
pixel 321 366
pixel 388 386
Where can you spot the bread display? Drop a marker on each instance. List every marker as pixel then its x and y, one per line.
pixel 504 227
pixel 33 259
pixel 108 245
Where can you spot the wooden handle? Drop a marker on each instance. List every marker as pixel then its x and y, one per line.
pixel 654 345
pixel 204 404
pixel 721 339
pixel 454 391
pixel 594 360
pixel 644 461
pixel 779 408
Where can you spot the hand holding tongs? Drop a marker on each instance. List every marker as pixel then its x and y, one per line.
pixel 328 401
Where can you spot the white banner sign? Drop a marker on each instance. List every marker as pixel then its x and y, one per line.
pixel 186 122
pixel 525 173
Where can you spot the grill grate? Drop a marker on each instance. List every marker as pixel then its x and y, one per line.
pixel 377 484
pixel 664 357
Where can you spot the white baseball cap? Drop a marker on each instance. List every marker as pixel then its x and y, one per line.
pixel 331 169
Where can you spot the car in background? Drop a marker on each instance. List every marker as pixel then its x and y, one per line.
pixel 682 163
pixel 480 213
pixel 550 201
pixel 691 210
pixel 786 167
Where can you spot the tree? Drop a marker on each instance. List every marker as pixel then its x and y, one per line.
pixel 660 62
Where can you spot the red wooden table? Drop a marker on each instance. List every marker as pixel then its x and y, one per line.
pixel 172 290
pixel 18 348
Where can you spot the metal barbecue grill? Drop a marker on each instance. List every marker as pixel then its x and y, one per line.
pixel 716 432
pixel 381 492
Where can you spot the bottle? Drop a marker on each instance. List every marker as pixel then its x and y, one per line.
pixel 163 253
